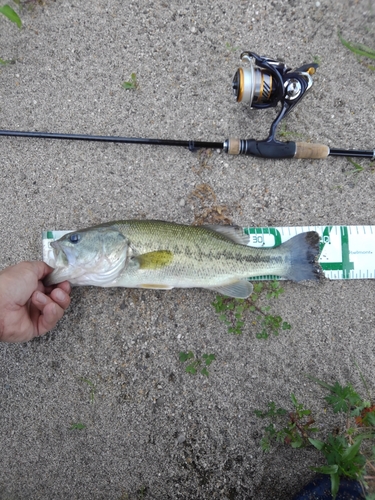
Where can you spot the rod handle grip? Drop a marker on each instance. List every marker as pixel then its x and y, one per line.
pixel 313 151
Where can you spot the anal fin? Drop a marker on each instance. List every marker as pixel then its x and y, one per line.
pixel 240 289
pixel 156 286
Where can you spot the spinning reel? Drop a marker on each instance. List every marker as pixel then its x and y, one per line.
pixel 264 83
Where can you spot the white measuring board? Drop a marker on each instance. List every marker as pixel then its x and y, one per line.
pixel 346 252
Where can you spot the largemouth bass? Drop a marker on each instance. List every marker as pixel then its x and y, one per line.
pixel 164 255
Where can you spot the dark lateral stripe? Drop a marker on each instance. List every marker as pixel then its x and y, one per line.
pixel 198 254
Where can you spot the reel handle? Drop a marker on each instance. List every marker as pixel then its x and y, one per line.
pixel 275 149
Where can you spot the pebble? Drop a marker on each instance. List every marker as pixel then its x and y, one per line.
pixel 182 202
pixel 181 439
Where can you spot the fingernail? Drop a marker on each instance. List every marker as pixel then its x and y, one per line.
pixel 59 294
pixel 41 298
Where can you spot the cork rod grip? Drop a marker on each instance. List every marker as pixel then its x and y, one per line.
pixel 307 150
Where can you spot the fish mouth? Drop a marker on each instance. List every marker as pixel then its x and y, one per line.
pixel 61 266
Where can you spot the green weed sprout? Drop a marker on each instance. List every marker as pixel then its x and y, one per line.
pixel 132 84
pixel 231 311
pixel 92 388
pixel 77 426
pixel 359 49
pixel 196 362
pixel 297 429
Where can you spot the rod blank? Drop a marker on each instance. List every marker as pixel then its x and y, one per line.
pixel 357 153
pixel 104 138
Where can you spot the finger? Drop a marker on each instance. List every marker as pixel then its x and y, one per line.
pixel 51 314
pixel 58 296
pixel 61 297
pixel 65 285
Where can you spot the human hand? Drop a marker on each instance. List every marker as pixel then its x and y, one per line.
pixel 28 309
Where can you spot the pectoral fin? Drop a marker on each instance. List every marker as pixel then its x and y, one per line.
pixel 154 260
pixel 239 290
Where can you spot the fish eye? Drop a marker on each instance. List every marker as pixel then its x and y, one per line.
pixel 74 238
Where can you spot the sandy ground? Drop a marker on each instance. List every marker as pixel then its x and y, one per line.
pixel 112 364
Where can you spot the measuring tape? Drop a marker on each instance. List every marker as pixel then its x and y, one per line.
pixel 346 252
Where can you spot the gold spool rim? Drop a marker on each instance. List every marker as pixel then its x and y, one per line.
pixel 241 85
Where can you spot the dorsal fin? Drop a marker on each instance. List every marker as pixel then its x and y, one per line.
pixel 234 233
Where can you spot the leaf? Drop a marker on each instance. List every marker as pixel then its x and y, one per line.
pixel 294 400
pixel 204 371
pixel 128 85
pixel 358 48
pixel 353 450
pixel 319 445
pixel 79 426
pixel 369 418
pixel 9 13
pixel 320 382
pixel 327 469
pixel 184 356
pixel 265 444
pixel 297 442
pixel 209 358
pixel 357 166
pixel 343 398
pixel 335 483
pixel 191 369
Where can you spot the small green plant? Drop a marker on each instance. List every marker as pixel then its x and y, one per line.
pixel 283 132
pixel 359 168
pixel 317 60
pixel 348 454
pixel 132 84
pixel 196 363
pixel 231 311
pixel 359 49
pixel 77 426
pixel 92 388
pixel 297 429
pixel 229 47
pixel 7 11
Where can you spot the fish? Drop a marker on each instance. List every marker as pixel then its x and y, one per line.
pixel 156 254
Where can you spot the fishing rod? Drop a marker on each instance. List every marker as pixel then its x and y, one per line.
pixel 262 83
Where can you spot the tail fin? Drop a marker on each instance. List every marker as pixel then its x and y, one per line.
pixel 303 251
